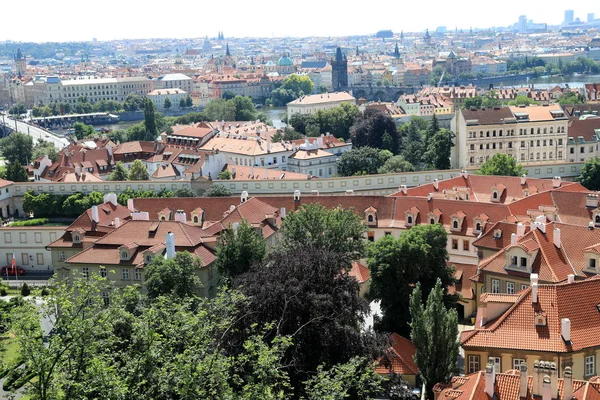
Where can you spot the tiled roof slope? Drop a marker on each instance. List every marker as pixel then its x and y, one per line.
pixel 399 357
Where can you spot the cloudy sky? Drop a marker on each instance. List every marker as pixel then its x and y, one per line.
pixel 76 20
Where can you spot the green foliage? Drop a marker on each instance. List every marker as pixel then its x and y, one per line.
pixel 355 379
pixel 76 204
pixel 82 130
pixel 590 174
pixel 337 120
pixel 119 172
pixel 571 98
pixel 521 100
pixel 360 161
pixel 16 172
pixel 167 104
pixel 289 134
pixel 473 102
pixel 238 249
pixel 25 291
pixel 43 204
pixel 17 147
pixel 189 102
pixel 31 222
pixel 217 190
pixel 337 230
pixel 293 87
pixel 18 109
pixel 43 148
pixel 396 264
pixel 501 165
pixel 138 171
pixel 185 192
pixel 175 277
pixel 150 123
pixel 244 108
pixel 395 164
pixel 439 149
pixel 225 175
pixel 182 103
pixel 369 130
pixel 220 110
pixel 435 336
pixel 134 102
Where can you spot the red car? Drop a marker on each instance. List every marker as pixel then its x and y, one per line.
pixel 10 271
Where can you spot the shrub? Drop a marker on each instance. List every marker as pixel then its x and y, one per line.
pixel 45 292
pixel 23 380
pixel 31 222
pixel 2 291
pixel 25 291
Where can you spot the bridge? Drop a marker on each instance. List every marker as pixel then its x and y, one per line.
pixel 35 132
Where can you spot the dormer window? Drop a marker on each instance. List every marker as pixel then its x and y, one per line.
pixel 163 218
pixel 148 258
pixel 495 195
pixel 195 219
pixel 76 238
pixel 514 260
pixel 124 255
pixel 597 217
pixel 592 264
pixel 371 216
pixel 455 224
pixel 409 220
pixel 540 319
pixel 432 220
pixel 370 219
pixel 523 262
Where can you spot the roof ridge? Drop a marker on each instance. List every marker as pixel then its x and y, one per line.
pixel 536 232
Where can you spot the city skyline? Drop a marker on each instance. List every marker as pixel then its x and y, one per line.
pixel 131 20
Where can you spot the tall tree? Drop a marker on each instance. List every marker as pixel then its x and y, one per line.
pixel 150 120
pixel 590 174
pixel 360 161
pixel 220 110
pixel 432 129
pixel 439 149
pixel 15 172
pixel 244 108
pixel 138 171
pixel 43 148
pixel 238 248
pixel 435 336
pixel 177 276
pixel 313 225
pixel 17 147
pixel 167 104
pixel 182 103
pixel 413 144
pixel 119 172
pixel 369 129
pixel 396 264
pixel 395 164
pixel 189 102
pixel 217 190
pixel 501 165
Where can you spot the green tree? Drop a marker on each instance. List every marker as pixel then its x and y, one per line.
pixel 396 264
pixel 134 102
pixel 138 171
pixel 189 102
pixel 225 175
pixel 244 108
pixel 337 230
pixel 413 141
pixel 167 104
pixel 300 121
pixel 369 129
pixel 18 109
pixel 501 165
pixel 473 102
pixel 182 103
pixel 43 148
pixel 338 120
pixel 17 147
pixel 435 336
pixel 177 276
pixel 360 161
pixel 82 130
pixel 220 110
pixel 217 190
pixel 292 88
pixel 238 248
pixel 15 172
pixel 395 164
pixel 521 100
pixel 119 172
pixel 571 98
pixel 439 149
pixel 185 192
pixel 150 120
pixel 590 174
pixel 491 100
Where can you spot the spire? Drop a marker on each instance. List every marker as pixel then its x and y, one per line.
pixel 396 51
pixel 19 55
pixel 227 53
pixel 402 35
pixel 357 52
pixel 338 54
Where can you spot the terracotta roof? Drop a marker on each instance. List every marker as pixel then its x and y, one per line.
pixel 400 357
pixel 213 207
pixel 515 328
pixel 359 272
pixel 257 173
pixel 141 233
pixel 463 285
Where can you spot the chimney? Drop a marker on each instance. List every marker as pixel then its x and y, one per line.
pixel 429 196
pixel 181 216
pixel 534 293
pixel 130 205
pixel 534 278
pixel 523 179
pixel 268 147
pixel 570 278
pixel 170 245
pixel 490 379
pixel 556 237
pixel 523 381
pixel 117 222
pixel 403 189
pixel 320 142
pixel 513 238
pixel 520 230
pixel 113 199
pixel 464 174
pixel 95 216
pixel 536 378
pixel 244 197
pixel 140 216
pixel 436 184
pixel 546 388
pixel 568 384
pixel 565 329
pixel 556 182
pixel 591 200
pixel 282 212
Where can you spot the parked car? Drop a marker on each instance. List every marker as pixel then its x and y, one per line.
pixel 10 270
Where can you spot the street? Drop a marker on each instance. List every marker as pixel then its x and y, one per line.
pixel 36 133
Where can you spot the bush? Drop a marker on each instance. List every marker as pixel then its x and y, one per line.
pixel 31 222
pixel 45 292
pixel 13 375
pixel 2 291
pixel 25 291
pixel 18 384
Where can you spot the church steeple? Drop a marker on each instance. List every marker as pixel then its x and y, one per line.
pixel 227 53
pixel 396 52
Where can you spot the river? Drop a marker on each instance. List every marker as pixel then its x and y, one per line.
pixel 275 114
pixel 574 81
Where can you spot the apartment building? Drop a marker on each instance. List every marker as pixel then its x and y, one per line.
pixel 584 135
pixel 533 134
pixel 28 245
pixel 313 103
pixel 174 81
pixel 159 96
pixel 52 89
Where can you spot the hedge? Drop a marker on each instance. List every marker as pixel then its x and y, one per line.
pixel 31 222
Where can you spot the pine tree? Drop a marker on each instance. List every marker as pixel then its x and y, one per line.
pixel 167 104
pixel 435 336
pixel 15 172
pixel 150 120
pixel 138 171
pixel 119 172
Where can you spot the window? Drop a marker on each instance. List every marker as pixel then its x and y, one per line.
pixel 24 259
pixel 517 363
pixel 106 299
pixel 510 288
pixel 85 271
pixel 496 362
pixel 523 287
pixel 592 263
pixel 495 286
pixel 62 256
pixel 387 233
pixel 23 237
pixel 40 258
pixel 38 237
pixel 473 364
pixel 138 274
pixel 371 236
pixel 125 274
pixel 103 272
pixel 454 244
pixel 7 237
pixel 370 219
pixel 409 220
pixel 432 221
pixel 455 224
pixel 524 262
pixel 514 260
pixel 466 245
pixel 590 365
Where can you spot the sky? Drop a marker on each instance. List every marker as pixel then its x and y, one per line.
pixel 74 20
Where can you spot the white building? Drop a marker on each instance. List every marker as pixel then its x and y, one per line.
pixel 311 160
pixel 159 96
pixel 28 244
pixel 175 81
pixel 313 103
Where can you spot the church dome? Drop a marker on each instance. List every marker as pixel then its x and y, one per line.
pixel 285 61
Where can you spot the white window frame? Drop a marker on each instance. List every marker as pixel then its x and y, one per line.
pixel 524 286
pixel 510 288
pixel 590 365
pixel 517 363
pixel 497 363
pixel 103 272
pixel 473 363
pixel 62 256
pixel 495 286
pixel 137 275
pixel 125 274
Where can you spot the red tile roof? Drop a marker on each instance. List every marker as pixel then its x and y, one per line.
pixel 398 358
pixel 360 272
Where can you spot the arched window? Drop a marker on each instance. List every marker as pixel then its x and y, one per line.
pixel 370 218
pixel 409 220
pixel 495 195
pixel 478 227
pixel 196 219
pixel 163 218
pixel 455 224
pixel 597 219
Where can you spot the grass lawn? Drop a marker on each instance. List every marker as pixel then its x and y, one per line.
pixel 11 347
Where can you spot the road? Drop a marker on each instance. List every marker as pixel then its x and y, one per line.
pixel 35 132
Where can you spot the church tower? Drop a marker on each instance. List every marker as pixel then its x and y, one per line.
pixel 20 63
pixel 339 71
